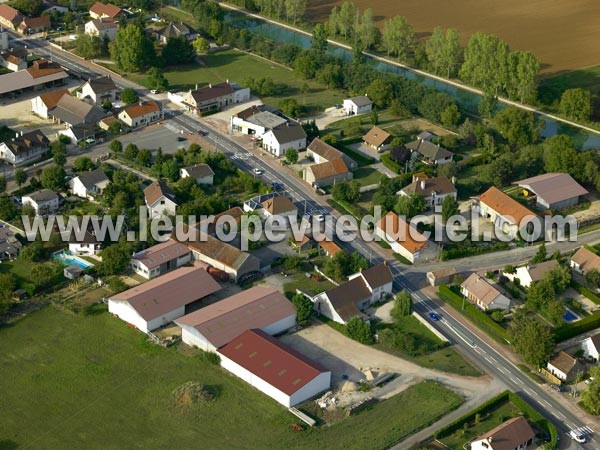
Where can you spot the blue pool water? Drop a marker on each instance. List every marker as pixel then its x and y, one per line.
pixel 68 260
pixel 569 316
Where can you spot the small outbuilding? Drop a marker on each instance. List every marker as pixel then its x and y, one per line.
pixel 377 139
pixel 553 190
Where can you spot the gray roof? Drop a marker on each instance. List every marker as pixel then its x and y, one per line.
pixel 73 111
pixel 426 135
pixel 289 132
pixel 361 100
pixel 429 150
pixel 199 171
pixel 266 119
pixel 430 186
pixel 537 271
pixel 83 130
pixel 344 297
pixel 553 187
pixel 43 195
pixel 27 142
pixel 92 178
pixel 22 79
pixel 102 84
pixel 176 30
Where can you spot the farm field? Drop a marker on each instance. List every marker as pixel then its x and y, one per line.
pixel 77 381
pixel 563 34
pixel 237 67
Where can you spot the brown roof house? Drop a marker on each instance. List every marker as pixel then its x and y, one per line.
pixel 404 239
pixel 377 139
pixel 9 17
pixel 98 90
pixel 585 260
pixel 274 368
pixel 349 299
pixel 433 190
pixel 161 300
pixel 140 115
pixel 105 11
pixel 327 173
pixel 14 59
pixel 214 97
pixel 330 248
pixel 505 212
pixel 290 135
pixel 202 173
pixel 564 367
pixel 514 434
pixel 159 199
pixel 32 25
pixel 531 273
pixel 279 206
pixel 160 259
pixel 481 293
pixel 41 104
pixel 24 148
pixel 103 28
pixel 41 74
pixel 321 152
pixel 553 190
pixel 217 324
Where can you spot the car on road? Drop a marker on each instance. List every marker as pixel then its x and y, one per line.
pixel 203 133
pixel 556 387
pixel 154 91
pixel 277 186
pixel 257 171
pixel 90 141
pixel 180 139
pixel 433 316
pixel 577 437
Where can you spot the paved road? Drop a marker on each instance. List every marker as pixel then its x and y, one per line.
pixel 493 362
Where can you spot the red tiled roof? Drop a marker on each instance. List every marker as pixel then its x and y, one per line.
pixel 156 190
pixel 393 225
pixel 509 435
pixel 272 361
pixel 51 99
pixel 226 319
pixel 163 294
pixel 329 169
pixel 9 13
pixel 142 109
pixel 107 9
pixel 35 22
pixel 161 253
pixel 212 91
pixel 42 68
pixel 505 206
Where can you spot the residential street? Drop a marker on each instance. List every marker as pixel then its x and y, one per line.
pixel 462 334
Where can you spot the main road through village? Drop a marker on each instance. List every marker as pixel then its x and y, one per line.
pixel 488 357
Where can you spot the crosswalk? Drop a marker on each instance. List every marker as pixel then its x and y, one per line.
pixel 583 431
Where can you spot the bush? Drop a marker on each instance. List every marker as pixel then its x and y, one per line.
pixel 463 251
pixel 569 330
pixel 359 330
pixel 304 308
pixel 585 292
pixel 386 160
pixel 478 317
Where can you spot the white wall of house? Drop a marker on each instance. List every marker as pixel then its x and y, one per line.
pixel 589 350
pixel 323 305
pixel 396 246
pixel 521 274
pixel 351 108
pixel 270 143
pixel 241 95
pixel 91 30
pixel 557 372
pixel 484 444
pixel 194 338
pixel 39 107
pixel 281 325
pixel 161 207
pixel 241 126
pixel 48 207
pixel 127 313
pixel 84 249
pixel 318 159
pixel 208 180
pixel 139 121
pixel 141 269
pixel 320 383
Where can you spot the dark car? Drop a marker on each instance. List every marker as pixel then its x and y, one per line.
pixel 433 316
pixel 277 186
pixel 180 139
pixel 203 133
pixel 556 387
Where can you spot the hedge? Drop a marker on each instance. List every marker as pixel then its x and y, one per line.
pixel 585 292
pixel 360 158
pixel 478 317
pixel 343 206
pixel 507 396
pixel 464 251
pixel 569 330
pixel 386 160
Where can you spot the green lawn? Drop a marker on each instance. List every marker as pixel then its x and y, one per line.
pixel 550 89
pixel 299 281
pixel 76 381
pixel 22 270
pixel 237 66
pixel 429 354
pixel 367 176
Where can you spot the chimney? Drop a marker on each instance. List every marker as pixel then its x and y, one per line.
pixel 227 80
pixel 196 86
pixel 210 85
pixel 453 180
pixel 422 184
pixel 21 132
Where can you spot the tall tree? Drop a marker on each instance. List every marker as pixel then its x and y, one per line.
pixel 485 62
pixel 521 84
pixel 591 396
pixel 532 340
pixel 367 31
pixel 132 51
pixel 294 10
pixel 178 50
pixel 319 39
pixel 402 305
pixel 53 177
pixel 449 208
pixel 519 127
pixel 576 104
pixel 347 20
pixel 398 38
pixel 156 80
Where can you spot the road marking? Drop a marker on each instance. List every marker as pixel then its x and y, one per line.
pixel 545 403
pixel 514 381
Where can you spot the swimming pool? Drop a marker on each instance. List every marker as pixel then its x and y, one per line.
pixel 570 316
pixel 67 259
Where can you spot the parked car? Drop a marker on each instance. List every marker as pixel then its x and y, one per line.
pixel 257 171
pixel 277 186
pixel 577 437
pixel 154 91
pixel 203 133
pixel 180 139
pixel 556 387
pixel 90 141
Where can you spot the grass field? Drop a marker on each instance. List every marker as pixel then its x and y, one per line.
pixel 563 34
pixel 237 67
pixel 90 382
pixel 445 359
pixel 551 88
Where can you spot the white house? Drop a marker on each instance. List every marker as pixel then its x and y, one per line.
pixel 89 184
pixel 140 115
pixel 504 211
pixel 433 190
pixel 279 206
pixel 349 299
pixel 202 173
pixel 564 367
pixel 100 89
pixel 514 434
pixel 160 259
pixel 584 260
pixel 41 104
pixel 256 120
pixel 531 273
pixel 273 368
pixel 44 202
pixel 105 11
pixel 89 245
pixel 404 239
pixel 591 347
pixel 24 148
pixel 101 28
pixel 485 296
pixel 217 324
pixel 214 97
pixel 321 152
pixel 290 135
pixel 159 199
pixel 161 300
pixel 357 105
